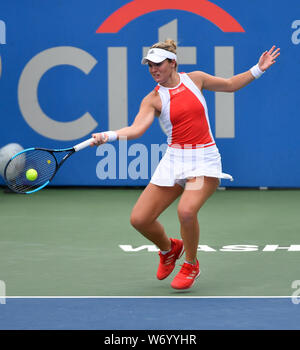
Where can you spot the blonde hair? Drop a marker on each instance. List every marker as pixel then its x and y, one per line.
pixel 168 44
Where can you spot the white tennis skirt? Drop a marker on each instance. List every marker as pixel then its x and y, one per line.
pixel 178 165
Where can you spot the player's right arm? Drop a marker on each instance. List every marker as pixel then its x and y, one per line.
pixel 141 123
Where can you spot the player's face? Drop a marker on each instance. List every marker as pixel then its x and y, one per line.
pixel 161 72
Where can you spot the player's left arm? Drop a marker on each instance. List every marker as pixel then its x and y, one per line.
pixel 212 83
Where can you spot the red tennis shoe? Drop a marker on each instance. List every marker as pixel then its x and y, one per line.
pixel 167 261
pixel 186 276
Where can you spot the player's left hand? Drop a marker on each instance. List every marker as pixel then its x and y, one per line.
pixel 267 59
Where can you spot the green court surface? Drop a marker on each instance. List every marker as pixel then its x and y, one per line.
pixel 79 242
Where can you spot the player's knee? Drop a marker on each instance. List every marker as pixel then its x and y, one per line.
pixel 137 221
pixel 186 214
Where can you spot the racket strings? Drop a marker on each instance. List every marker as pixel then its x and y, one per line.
pixel 43 162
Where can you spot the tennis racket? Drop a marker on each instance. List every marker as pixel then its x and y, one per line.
pixel 33 168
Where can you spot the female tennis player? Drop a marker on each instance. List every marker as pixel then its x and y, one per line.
pixel 191 167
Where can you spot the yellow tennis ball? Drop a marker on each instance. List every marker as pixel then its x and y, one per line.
pixel 31 174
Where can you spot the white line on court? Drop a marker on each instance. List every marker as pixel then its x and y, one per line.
pixel 152 297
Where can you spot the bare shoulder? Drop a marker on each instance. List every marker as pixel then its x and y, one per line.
pixel 197 77
pixel 149 97
pixel 152 100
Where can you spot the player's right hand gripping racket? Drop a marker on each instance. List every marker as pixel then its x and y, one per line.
pixel 43 162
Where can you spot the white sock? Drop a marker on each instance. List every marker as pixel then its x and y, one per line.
pixel 164 252
pixel 190 262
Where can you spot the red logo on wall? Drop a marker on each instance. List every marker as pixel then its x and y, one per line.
pixel 137 8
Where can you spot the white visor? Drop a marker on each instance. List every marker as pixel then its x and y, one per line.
pixel 158 55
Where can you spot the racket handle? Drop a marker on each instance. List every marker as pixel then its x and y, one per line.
pixel 83 144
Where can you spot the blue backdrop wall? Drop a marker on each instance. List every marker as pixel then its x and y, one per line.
pixel 70 68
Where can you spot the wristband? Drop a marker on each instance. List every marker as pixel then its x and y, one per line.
pixel 256 71
pixel 112 135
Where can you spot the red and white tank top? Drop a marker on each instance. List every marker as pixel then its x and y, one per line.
pixel 184 115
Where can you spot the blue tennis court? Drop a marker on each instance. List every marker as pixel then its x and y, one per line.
pixel 149 314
